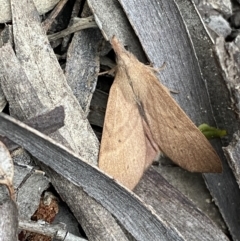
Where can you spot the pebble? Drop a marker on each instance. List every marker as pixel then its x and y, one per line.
pixel 215 14
pixel 219 25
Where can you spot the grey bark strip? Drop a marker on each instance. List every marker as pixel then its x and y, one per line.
pixel 111 20
pixel 232 153
pixel 139 220
pixel 218 84
pixel 8 207
pixel 203 45
pixel 9 217
pixel 46 123
pixel 178 211
pixel 228 58
pixel 83 64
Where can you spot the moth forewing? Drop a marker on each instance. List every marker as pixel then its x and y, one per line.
pixel 175 133
pixel 123 145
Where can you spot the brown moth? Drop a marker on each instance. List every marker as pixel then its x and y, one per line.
pixel 142 118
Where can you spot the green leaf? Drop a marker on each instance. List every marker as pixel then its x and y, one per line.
pixel 211 132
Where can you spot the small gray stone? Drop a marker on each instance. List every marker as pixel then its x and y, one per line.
pixel 221 6
pixel 219 25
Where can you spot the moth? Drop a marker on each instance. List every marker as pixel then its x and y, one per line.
pixel 141 119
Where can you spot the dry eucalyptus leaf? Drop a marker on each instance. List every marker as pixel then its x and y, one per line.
pixel 6 169
pixel 142 117
pixel 47 123
pixel 42 6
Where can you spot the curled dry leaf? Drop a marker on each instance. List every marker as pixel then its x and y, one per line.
pixel 6 169
pixel 142 118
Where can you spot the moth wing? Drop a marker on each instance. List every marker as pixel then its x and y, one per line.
pixel 174 132
pixel 123 146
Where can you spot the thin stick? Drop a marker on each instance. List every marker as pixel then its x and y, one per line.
pixel 80 23
pixel 48 22
pixel 75 11
pixel 53 230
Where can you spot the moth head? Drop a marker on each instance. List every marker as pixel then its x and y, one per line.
pixel 123 56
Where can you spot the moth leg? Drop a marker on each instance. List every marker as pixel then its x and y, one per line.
pixel 159 69
pixel 111 72
pixel 170 91
pixel 173 91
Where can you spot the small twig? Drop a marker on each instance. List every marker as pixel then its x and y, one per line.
pixel 75 11
pixel 53 230
pixel 79 24
pixel 109 72
pixel 48 22
pixel 174 91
